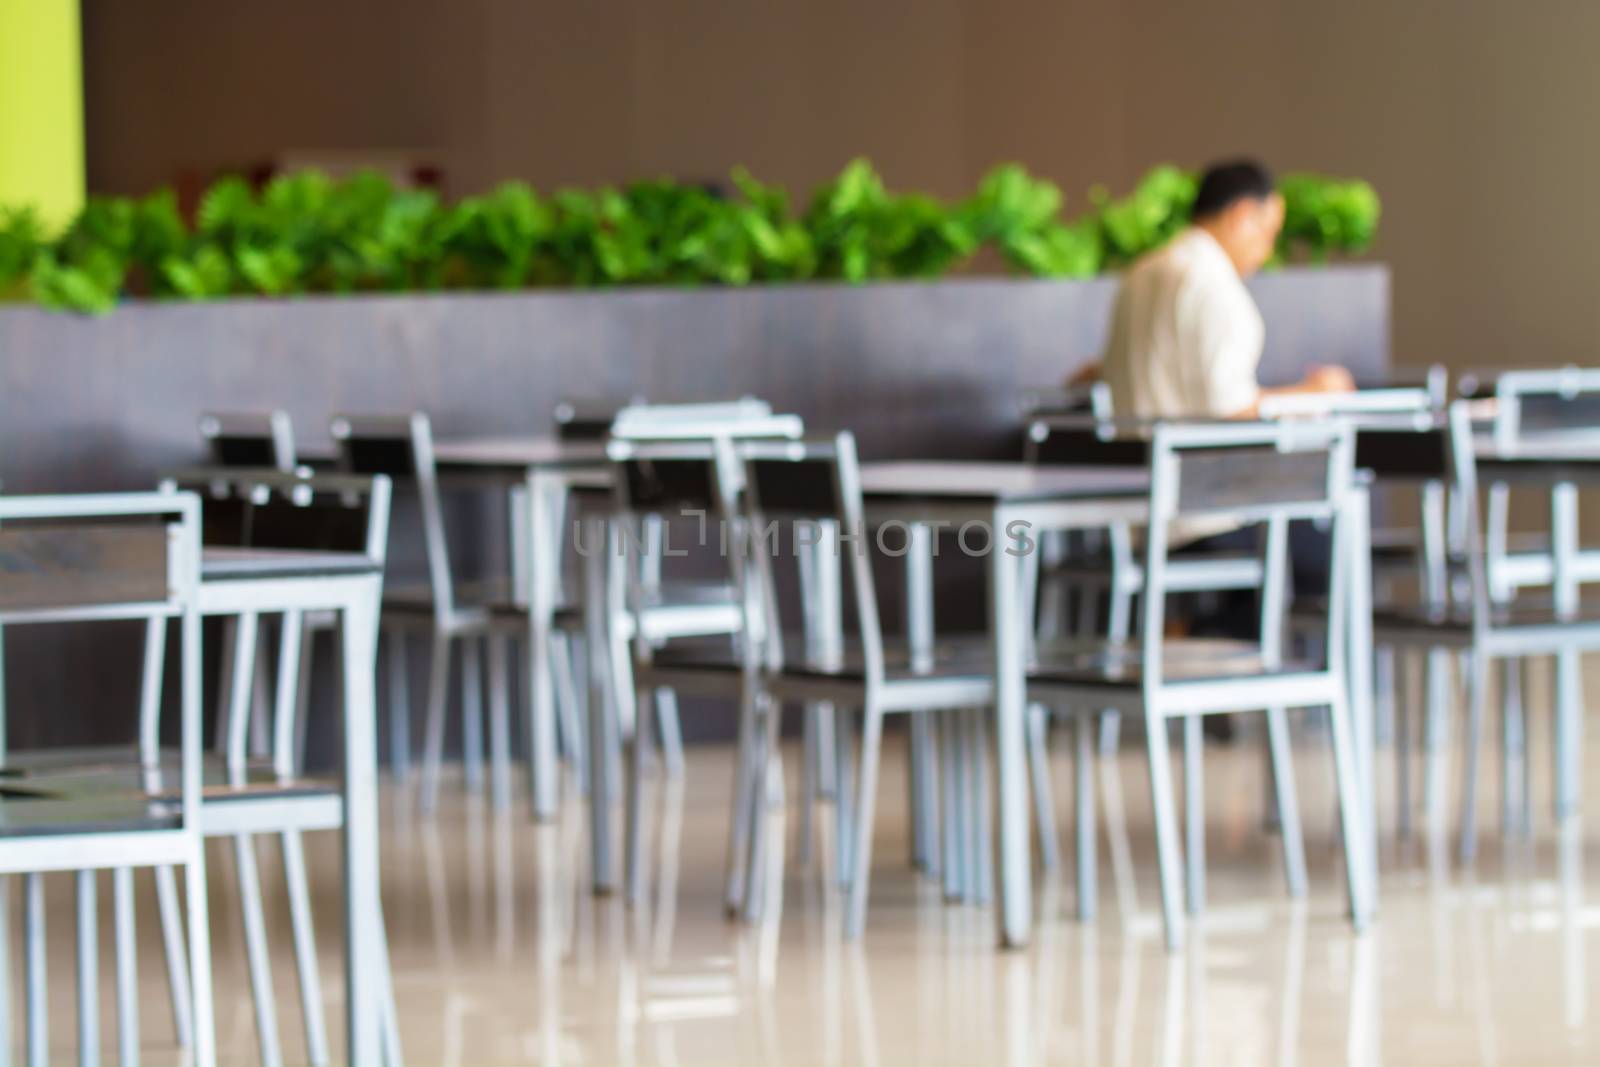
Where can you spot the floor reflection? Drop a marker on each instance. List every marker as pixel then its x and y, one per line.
pixel 502 955
pixel 506 957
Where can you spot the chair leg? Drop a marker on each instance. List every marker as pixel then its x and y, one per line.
pixel 228 662
pixel 739 827
pixel 1083 784
pixel 1568 732
pixel 806 834
pixel 1194 812
pixel 844 792
pixel 866 797
pixel 1168 849
pixel 1404 803
pixel 472 712
pixel 1352 815
pixel 499 721
pixel 671 731
pixel 768 780
pixel 633 843
pixel 955 862
pixel 1513 745
pixel 88 971
pixel 38 1050
pixel 982 808
pixel 393 1054
pixel 172 943
pixel 399 702
pixel 1288 802
pixel 258 953
pixel 305 948
pixel 302 692
pixel 1472 743
pixel 199 958
pixel 127 957
pixel 433 741
pixel 1437 685
pixel 927 794
pixel 1044 800
pixel 155 659
pixel 569 705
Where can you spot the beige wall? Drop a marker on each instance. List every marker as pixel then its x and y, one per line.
pixel 1472 117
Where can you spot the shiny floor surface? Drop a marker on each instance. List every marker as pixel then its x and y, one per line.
pixel 503 956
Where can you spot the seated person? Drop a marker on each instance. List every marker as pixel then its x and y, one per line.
pixel 1186 339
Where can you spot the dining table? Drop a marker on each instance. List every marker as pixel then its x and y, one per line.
pixel 995 509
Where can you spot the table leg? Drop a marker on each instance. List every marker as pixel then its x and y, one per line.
pixel 919 634
pixel 543 568
pixel 1011 778
pixel 597 550
pixel 1359 666
pixel 362 899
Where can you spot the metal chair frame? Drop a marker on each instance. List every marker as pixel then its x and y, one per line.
pixel 1160 698
pixel 86 851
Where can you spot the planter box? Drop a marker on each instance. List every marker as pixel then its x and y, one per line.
pixel 916 369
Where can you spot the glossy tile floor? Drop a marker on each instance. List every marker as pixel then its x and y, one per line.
pixel 503 956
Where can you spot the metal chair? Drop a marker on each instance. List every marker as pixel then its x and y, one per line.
pixel 401 447
pixel 1491 622
pixel 115 556
pixel 284 514
pixel 654 484
pixel 1244 474
pixel 258 439
pixel 1112 572
pixel 668 608
pixel 811 486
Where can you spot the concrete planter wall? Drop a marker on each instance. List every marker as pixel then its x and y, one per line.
pixel 916 369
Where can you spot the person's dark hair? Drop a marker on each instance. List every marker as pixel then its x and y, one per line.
pixel 1225 184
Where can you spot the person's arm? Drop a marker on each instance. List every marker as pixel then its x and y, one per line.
pixel 1227 345
pixel 1085 375
pixel 1318 379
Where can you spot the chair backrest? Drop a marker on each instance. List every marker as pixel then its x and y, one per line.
pixel 69 558
pixel 811 486
pixel 115 555
pixel 1247 473
pixel 293 511
pixel 587 420
pixel 1088 440
pixel 401 447
pixel 657 482
pixel 1534 405
pixel 249 439
pixel 747 417
pixel 1082 398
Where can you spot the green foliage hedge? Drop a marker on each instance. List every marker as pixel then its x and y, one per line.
pixel 305 233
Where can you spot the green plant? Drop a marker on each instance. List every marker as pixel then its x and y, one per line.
pixel 1019 214
pixel 1325 215
pixel 22 240
pixel 1146 218
pixel 306 233
pixel 860 231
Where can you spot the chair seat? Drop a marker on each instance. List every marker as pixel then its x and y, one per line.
pixel 111 770
pixel 246 564
pixel 1183 660
pixel 1523 612
pixel 952 658
pixel 675 610
pixel 39 811
pixel 410 597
